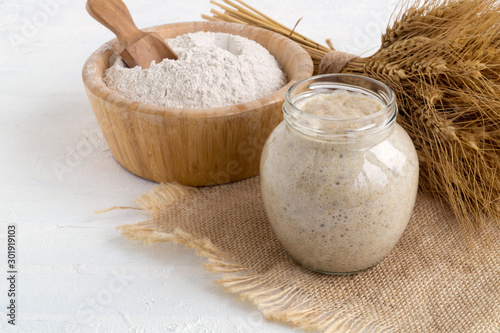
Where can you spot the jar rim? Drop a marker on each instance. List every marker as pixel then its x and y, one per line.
pixel 392 96
pixel 335 129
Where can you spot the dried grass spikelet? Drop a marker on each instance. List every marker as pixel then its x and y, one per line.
pixel 442 59
pixel 443 62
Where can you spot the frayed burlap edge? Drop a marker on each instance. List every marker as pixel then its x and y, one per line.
pixel 276 300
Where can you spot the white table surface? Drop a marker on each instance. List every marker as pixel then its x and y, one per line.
pixel 76 273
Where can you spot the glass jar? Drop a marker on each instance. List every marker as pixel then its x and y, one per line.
pixel 339 192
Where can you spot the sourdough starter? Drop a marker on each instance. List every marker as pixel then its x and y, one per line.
pixel 335 207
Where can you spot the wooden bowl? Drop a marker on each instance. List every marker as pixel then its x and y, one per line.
pixel 192 146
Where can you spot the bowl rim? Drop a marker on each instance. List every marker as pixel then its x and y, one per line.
pixel 95 83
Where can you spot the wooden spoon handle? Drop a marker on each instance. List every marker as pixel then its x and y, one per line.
pixel 114 15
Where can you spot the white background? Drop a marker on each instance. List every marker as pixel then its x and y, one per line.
pixel 76 272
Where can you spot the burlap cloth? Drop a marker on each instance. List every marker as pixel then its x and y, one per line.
pixel 433 281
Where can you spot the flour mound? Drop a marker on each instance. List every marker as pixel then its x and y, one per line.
pixel 213 70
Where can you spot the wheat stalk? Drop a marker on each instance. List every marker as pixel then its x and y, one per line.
pixel 240 12
pixel 442 59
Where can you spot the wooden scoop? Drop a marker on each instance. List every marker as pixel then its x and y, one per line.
pixel 136 47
